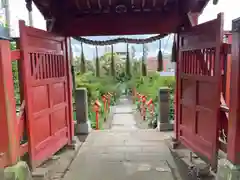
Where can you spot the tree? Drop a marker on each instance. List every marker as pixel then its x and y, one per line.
pixel 113 70
pixel 97 64
pixel 136 67
pixel 82 65
pixel 174 51
pixel 128 68
pixel 133 52
pixel 160 58
pixel 144 56
pixel 77 64
pixel 106 63
pixel 90 66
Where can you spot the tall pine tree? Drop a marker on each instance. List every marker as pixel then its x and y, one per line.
pixel 83 64
pixel 97 63
pixel 128 68
pixel 174 50
pixel 144 68
pixel 160 58
pixel 112 62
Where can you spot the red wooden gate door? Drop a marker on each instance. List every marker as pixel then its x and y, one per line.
pixel 46 92
pixel 199 85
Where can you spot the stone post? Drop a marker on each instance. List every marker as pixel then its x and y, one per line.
pixel 164 108
pixel 82 126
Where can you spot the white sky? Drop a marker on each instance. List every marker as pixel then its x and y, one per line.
pixel 230 8
pixel 18 11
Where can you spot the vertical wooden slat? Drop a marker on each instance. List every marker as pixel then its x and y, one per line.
pixel 203 59
pixel 62 66
pixel 206 61
pixel 195 63
pixel 44 66
pixel 182 61
pixel 58 67
pixel 187 62
pixel 210 61
pixel 233 145
pixel 31 62
pixel 55 65
pixel 190 61
pixel 35 59
pixel 41 70
pixel 50 65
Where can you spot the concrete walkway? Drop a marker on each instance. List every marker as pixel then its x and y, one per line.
pixel 123 118
pixel 123 153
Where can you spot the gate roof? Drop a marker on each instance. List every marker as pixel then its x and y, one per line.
pixel 118 17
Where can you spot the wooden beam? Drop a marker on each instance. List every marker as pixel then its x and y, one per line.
pixel 193 18
pixel 201 4
pixel 233 145
pixel 120 24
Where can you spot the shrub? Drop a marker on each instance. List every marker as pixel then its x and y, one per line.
pixel 96 87
pixel 149 85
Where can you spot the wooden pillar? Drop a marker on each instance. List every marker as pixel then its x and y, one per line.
pixel 8 121
pixel 70 87
pixel 177 92
pixel 233 145
pixel 193 17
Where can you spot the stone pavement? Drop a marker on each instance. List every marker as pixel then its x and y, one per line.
pixel 123 153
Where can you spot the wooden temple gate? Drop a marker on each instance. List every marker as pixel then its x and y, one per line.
pixel 200 87
pixel 207 113
pixel 46 97
pixel 202 99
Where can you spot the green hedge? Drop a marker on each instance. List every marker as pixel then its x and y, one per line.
pixel 96 88
pixel 149 85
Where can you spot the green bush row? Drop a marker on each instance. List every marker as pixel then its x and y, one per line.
pixel 149 86
pixel 96 88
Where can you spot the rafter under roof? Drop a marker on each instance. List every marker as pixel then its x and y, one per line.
pixel 86 16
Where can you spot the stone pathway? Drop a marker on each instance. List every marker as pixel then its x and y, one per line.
pixel 124 152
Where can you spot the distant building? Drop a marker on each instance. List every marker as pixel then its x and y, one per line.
pixel 120 50
pixel 122 55
pixel 152 64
